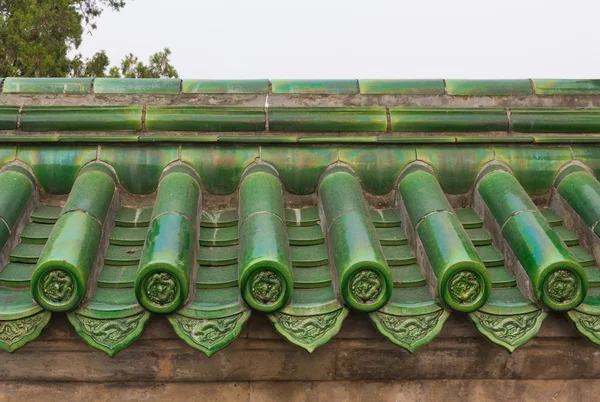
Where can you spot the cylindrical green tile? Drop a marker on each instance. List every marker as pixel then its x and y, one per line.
pixel 265 277
pixel 364 279
pixel 463 283
pixel 162 281
pixel 168 259
pixel 422 195
pixel 504 196
pixel 92 192
pixel 558 281
pixel 582 191
pixel 59 281
pixel 15 191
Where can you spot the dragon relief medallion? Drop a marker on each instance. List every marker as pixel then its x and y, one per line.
pixel 160 288
pixel 561 286
pixel 464 287
pixel 366 286
pixel 57 286
pixel 266 286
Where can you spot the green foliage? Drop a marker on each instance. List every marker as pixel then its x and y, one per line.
pixel 36 37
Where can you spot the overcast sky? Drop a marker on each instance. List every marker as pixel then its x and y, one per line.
pixel 359 39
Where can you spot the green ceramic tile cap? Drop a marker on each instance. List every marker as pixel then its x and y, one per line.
pixel 401 87
pixel 328 119
pixel 225 86
pixel 566 87
pixel 92 193
pixel 314 86
pixel 220 167
pixel 549 120
pixel 422 195
pixel 16 275
pixel 558 280
pixel 208 118
pixel 462 280
pixel 265 263
pixel 81 118
pixel 59 281
pixel 178 192
pixel 582 191
pixel 46 214
pixel 8 117
pixel 15 191
pixel 488 87
pixel 55 86
pixel 409 119
pixel 154 86
pixel 139 167
pixel 311 161
pixel 56 168
pixel 365 281
pixel 36 233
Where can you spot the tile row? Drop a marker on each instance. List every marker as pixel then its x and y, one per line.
pixel 498 256
pixel 453 87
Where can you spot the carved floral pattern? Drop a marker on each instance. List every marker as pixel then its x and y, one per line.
pixel 465 286
pixel 160 288
pixel 14 330
pixel 57 285
pixel 308 329
pixel 410 329
pixel 561 286
pixel 266 286
pixel 111 332
pixel 508 328
pixel 207 332
pixel 366 286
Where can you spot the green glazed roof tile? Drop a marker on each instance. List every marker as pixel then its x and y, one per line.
pixel 490 256
pixel 409 119
pixel 217 277
pixel 133 217
pixel 555 120
pixel 328 119
pixel 107 303
pixel 411 301
pixel 392 236
pixel 479 237
pixel 117 276
pixel 128 236
pixel 407 276
pixel 218 256
pixel 212 219
pixel 501 278
pixel 489 87
pixel 305 235
pixel 225 86
pixel 315 277
pixel 71 86
pixel 8 117
pixel 566 235
pixel 566 87
pixel 401 87
pixel 302 216
pixel 81 118
pixel 122 255
pixel 507 301
pixel 36 233
pixel 469 218
pixel 46 214
pixel 214 303
pixel 399 255
pixel 582 256
pixel 383 218
pixel 227 236
pixel 593 275
pixel 309 256
pixel 16 275
pixel 17 303
pixel 207 118
pixel 552 218
pixel 314 86
pixel 26 253
pixel 155 86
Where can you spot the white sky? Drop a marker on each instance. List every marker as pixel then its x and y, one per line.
pixel 359 39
